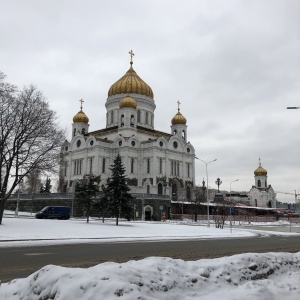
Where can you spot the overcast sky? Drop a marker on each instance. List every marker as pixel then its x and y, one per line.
pixel 234 66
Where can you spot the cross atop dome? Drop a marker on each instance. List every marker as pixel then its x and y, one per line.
pixel 131 55
pixel 81 101
pixel 178 102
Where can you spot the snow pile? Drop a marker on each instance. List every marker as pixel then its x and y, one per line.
pixel 243 277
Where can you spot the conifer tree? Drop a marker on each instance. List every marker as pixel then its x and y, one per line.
pixel 117 191
pixel 86 190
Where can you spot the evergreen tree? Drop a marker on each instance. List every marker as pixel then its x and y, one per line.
pixel 102 205
pixel 117 191
pixel 47 188
pixel 86 190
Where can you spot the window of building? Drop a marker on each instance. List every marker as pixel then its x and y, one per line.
pixel 175 167
pixel 111 116
pixel 188 170
pixel 77 166
pixel 132 165
pixel 148 165
pixel 147 117
pixel 159 189
pixel 139 116
pixel 103 165
pixel 148 189
pixel 160 165
pixel 91 165
pixel 258 183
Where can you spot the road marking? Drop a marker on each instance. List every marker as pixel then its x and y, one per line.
pixel 31 254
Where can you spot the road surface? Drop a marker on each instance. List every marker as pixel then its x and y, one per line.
pixel 19 262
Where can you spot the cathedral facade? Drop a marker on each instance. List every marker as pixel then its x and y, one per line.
pixel 158 164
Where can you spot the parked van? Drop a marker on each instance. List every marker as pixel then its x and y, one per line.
pixel 54 212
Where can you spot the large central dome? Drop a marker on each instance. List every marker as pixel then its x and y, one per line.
pixel 130 83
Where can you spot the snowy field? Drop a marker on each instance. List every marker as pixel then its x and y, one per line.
pixel 252 276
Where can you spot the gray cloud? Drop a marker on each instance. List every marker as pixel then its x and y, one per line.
pixel 234 65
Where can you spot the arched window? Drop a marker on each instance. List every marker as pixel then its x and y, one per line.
pixel 148 189
pixel 183 135
pixel 132 120
pixel 159 189
pixel 74 131
pixel 122 120
pixel 147 117
pixel 258 183
pixel 83 131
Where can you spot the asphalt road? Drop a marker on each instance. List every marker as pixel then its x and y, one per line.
pixel 19 262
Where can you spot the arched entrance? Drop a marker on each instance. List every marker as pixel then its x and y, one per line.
pixel 148 212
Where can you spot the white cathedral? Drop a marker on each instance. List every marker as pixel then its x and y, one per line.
pixel 157 163
pixel 160 166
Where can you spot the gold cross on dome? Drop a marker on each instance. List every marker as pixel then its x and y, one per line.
pixel 131 55
pixel 81 101
pixel 178 102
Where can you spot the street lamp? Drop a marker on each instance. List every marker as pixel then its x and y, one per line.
pixel 206 163
pixel 230 204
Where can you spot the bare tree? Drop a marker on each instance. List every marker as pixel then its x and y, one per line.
pixel 30 137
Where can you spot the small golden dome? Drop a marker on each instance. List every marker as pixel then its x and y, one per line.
pixel 81 117
pixel 260 171
pixel 178 119
pixel 128 102
pixel 136 85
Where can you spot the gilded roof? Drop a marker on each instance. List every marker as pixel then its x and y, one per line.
pixel 136 85
pixel 260 171
pixel 128 102
pixel 80 117
pixel 178 119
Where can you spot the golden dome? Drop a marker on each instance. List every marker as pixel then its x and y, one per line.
pixel 81 117
pixel 178 119
pixel 260 171
pixel 128 102
pixel 136 85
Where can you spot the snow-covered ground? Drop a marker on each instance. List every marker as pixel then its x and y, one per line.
pixel 245 276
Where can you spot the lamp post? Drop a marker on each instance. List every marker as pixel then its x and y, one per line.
pixel 230 203
pixel 206 163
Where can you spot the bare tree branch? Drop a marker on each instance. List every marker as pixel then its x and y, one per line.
pixel 30 136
